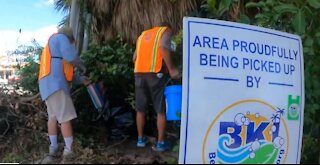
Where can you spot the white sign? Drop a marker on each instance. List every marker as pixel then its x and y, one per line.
pixel 243 94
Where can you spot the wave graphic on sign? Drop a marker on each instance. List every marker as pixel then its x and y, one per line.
pixel 265 153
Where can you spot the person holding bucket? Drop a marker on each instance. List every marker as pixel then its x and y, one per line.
pixel 153 65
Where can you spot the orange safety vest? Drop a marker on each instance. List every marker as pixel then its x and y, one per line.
pixel 148 54
pixel 45 65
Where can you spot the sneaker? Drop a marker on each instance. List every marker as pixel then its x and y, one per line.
pixel 161 147
pixel 47 160
pixel 142 142
pixel 53 151
pixel 51 156
pixel 67 154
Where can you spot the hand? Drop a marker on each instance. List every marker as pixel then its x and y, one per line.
pixel 82 69
pixel 175 74
pixel 85 80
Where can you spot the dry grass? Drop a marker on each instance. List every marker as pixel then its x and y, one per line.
pixel 130 18
pixel 26 140
pixel 32 148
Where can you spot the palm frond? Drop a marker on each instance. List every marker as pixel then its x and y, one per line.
pixel 62 5
pixel 280 111
pixel 130 18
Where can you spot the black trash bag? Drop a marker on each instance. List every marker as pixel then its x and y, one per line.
pixel 121 123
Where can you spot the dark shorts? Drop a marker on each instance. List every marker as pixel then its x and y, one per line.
pixel 149 89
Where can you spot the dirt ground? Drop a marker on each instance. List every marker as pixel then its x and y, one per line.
pixel 24 138
pixel 117 152
pixel 29 146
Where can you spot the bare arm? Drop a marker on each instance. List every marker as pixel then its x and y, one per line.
pixel 166 55
pixel 174 73
pixel 69 53
pixel 134 57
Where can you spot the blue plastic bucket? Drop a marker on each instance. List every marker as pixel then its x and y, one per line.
pixel 173 96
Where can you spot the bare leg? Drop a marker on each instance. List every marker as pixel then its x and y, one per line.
pixel 53 133
pixel 66 129
pixel 161 124
pixel 140 123
pixel 52 126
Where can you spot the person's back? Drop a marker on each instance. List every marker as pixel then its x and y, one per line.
pixel 149 55
pixel 152 48
pixel 56 79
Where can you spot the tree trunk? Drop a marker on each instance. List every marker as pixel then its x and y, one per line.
pixel 86 32
pixel 75 23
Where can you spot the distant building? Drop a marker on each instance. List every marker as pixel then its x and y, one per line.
pixel 8 67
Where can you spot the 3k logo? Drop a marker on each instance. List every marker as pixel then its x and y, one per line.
pixel 250 132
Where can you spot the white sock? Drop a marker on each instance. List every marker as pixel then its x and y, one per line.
pixel 68 142
pixel 53 141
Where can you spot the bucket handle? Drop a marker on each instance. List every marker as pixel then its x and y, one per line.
pixel 169 80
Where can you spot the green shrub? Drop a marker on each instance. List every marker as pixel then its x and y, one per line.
pixel 112 64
